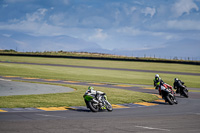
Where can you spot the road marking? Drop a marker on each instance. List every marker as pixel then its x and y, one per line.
pixel 30 78
pixel 115 106
pixel 96 83
pixel 3 110
pixel 162 101
pixel 4 79
pixel 50 115
pixel 146 104
pixel 151 128
pixel 71 81
pixel 159 96
pixel 10 76
pixel 197 113
pixel 53 108
pixel 50 80
pixel 149 88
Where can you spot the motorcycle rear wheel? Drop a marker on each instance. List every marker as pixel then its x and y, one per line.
pixel 93 108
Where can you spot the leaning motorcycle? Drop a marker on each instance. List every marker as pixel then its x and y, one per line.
pixel 97 102
pixel 168 95
pixel 183 91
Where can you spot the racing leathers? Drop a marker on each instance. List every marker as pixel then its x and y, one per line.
pixel 159 84
pixel 97 94
pixel 177 85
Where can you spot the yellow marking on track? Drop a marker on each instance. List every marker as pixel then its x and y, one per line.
pixel 50 80
pixel 53 108
pixel 123 85
pixel 149 88
pixel 96 83
pixel 3 110
pixel 30 78
pixel 159 96
pixel 10 76
pixel 162 101
pixel 146 104
pixel 118 106
pixel 71 81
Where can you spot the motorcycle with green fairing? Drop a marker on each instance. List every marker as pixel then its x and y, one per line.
pixel 96 101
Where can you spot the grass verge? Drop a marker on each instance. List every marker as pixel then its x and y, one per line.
pixel 75 98
pixel 95 75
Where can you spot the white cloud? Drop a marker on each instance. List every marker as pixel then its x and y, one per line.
pixel 184 6
pixel 6 35
pixel 177 25
pixel 66 2
pixel 38 15
pixel 15 1
pixel 20 42
pixel 99 35
pixel 183 25
pixel 130 31
pixel 149 11
pixel 5 5
pixel 57 19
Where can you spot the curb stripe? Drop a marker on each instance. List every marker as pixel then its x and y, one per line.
pixel 30 78
pixel 3 110
pixel 146 104
pixel 115 106
pixel 53 108
pixel 160 100
pixel 10 76
pixel 96 83
pixel 50 80
pixel 71 81
pixel 149 88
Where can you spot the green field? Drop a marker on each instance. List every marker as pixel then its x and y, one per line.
pixel 98 75
pixel 75 98
pixel 89 75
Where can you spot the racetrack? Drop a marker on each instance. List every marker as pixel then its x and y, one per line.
pixel 184 117
pixel 104 68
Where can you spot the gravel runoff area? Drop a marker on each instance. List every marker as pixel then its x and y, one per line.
pixel 8 88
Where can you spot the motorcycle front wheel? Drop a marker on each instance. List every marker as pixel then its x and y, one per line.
pixel 108 106
pixel 170 99
pixel 185 93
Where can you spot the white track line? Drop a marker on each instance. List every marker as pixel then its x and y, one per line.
pixel 4 79
pixel 151 128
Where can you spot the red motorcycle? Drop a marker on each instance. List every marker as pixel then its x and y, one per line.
pixel 168 94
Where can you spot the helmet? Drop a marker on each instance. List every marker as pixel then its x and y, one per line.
pixel 90 88
pixel 156 76
pixel 175 79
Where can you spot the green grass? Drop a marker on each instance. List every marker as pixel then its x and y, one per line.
pixel 111 64
pixel 96 75
pixel 115 96
pixel 75 98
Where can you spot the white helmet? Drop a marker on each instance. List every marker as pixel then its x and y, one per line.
pixel 156 76
pixel 176 79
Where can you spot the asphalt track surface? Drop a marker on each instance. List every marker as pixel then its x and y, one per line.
pixel 8 88
pixel 183 117
pixel 104 68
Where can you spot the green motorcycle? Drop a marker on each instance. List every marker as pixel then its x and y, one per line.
pixel 96 100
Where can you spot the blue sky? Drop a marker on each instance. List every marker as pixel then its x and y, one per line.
pixel 161 28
